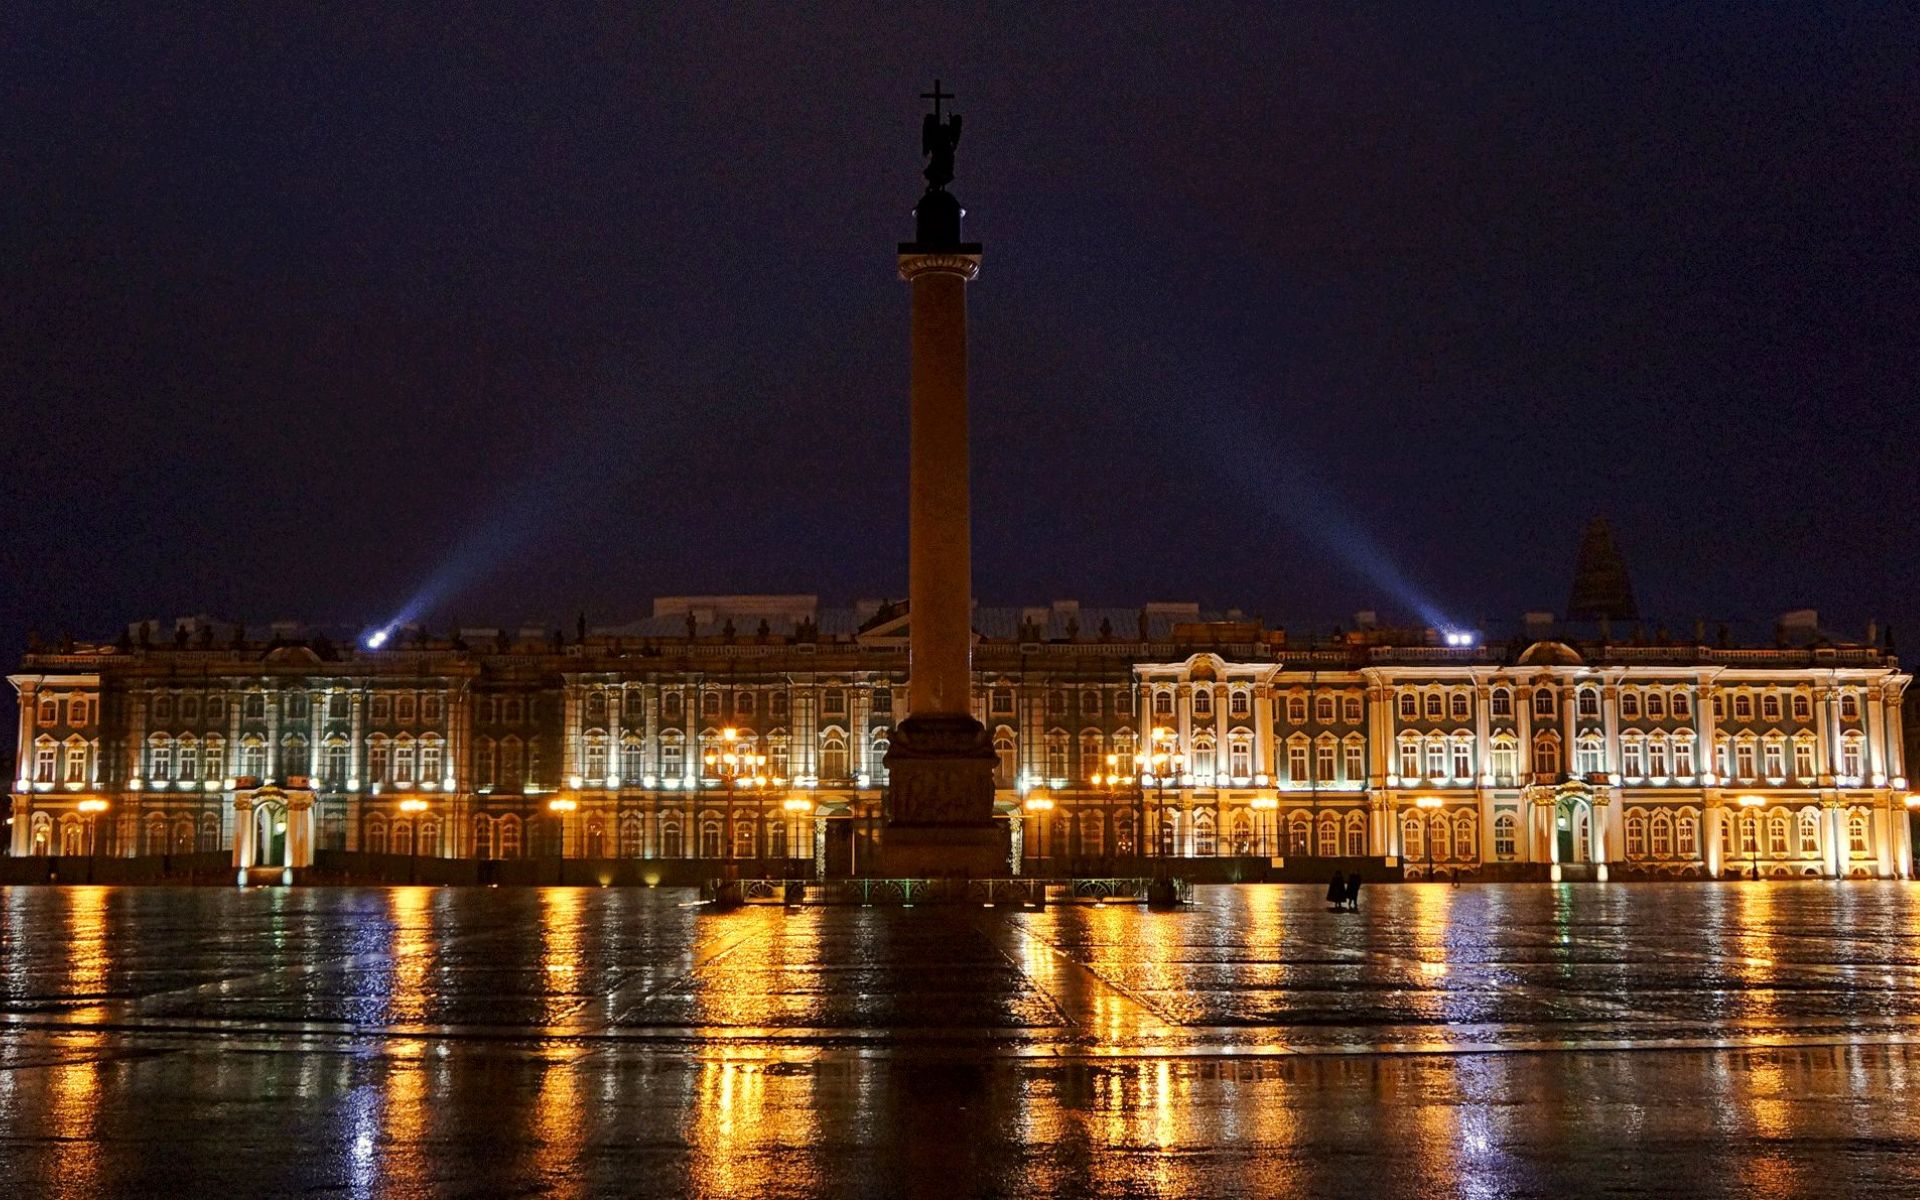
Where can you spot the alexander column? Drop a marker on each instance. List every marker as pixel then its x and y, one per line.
pixel 940 760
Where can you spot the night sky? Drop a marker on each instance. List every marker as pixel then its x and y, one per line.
pixel 1295 310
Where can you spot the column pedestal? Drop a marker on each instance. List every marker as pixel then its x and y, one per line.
pixel 940 800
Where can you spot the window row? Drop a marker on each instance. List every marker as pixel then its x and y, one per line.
pixel 78 710
pixel 1349 707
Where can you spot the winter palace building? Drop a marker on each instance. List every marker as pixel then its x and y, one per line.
pixel 756 727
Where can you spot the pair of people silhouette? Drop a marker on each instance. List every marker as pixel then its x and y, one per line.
pixel 1343 893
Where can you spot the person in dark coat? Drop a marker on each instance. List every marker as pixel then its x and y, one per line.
pixel 1337 891
pixel 1352 897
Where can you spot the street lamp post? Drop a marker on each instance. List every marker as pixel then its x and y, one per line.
pixel 1038 805
pixel 1264 807
pixel 1107 783
pixel 560 806
pixel 799 810
pixel 93 807
pixel 414 806
pixel 739 768
pixel 1161 760
pixel 1751 803
pixel 1429 804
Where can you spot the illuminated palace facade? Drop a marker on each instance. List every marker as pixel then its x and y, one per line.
pixel 756 728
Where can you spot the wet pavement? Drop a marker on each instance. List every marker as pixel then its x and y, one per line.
pixel 1651 1040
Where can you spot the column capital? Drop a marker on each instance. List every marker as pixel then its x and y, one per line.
pixel 962 260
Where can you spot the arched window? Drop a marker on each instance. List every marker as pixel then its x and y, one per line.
pixel 1329 835
pixel 1629 703
pixel 1546 755
pixel 630 835
pixel 1682 704
pixel 1589 702
pixel 1435 706
pixel 596 840
pixel 1636 833
pixel 1802 707
pixel 1458 707
pixel 1809 831
pixel 710 843
pixel 1239 703
pixel 1299 834
pixel 1202 702
pixel 1778 830
pixel 156 834
pixel 1242 832
pixel 1056 747
pixel 1356 834
pixel 1466 837
pixel 1686 834
pixel 509 836
pixel 1500 702
pixel 1440 845
pixel 1123 833
pixel 1296 710
pixel 483 837
pixel 1322 709
pixel 1005 755
pixel 183 836
pixel 1857 844
pixel 833 755
pixel 1543 703
pixel 1504 842
pixel 376 838
pixel 1743 706
pixel 1203 839
pixel 1662 845
pixel 1413 838
pixel 672 843
pixel 1849 706
pixel 1409 706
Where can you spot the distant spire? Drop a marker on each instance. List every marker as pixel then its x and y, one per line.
pixel 1601 589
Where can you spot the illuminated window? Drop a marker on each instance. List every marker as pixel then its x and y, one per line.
pixel 1323 760
pixel 1458 706
pixel 49 713
pixel 1462 758
pixel 1163 704
pixel 1588 702
pixel 1543 705
pixel 1682 704
pixel 1809 831
pixel 1351 709
pixel 1856 832
pixel 1435 706
pixel 1662 835
pixel 1501 702
pixel 1296 710
pixel 1850 756
pixel 1323 709
pixel 1633 761
pixel 1803 767
pixel 1356 756
pixel 1657 756
pixel 1774 755
pixel 1409 706
pixel 1240 759
pixel 1802 707
pixel 1239 704
pixel 1546 756
pixel 1742 706
pixel 1656 705
pixel 1636 834
pixel 1202 703
pixel 160 761
pixel 1504 842
pixel 1686 834
pixel 1770 706
pixel 1297 762
pixel 1849 706
pixel 1000 701
pixel 1683 756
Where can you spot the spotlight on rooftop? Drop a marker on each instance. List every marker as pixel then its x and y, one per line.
pixel 1460 638
pixel 377 639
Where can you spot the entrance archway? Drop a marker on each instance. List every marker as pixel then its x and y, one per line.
pixel 269 835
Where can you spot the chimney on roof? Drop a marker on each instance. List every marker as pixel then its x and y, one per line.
pixel 1601 589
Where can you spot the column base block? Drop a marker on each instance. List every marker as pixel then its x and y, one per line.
pixel 940 800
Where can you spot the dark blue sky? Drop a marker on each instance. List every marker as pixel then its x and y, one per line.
pixel 1294 309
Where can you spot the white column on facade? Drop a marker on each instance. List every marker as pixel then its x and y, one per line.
pixel 1263 730
pixel 1483 766
pixel 1713 821
pixel 271 698
pixel 243 848
pixel 356 743
pixel 616 759
pixel 23 769
pixel 1610 760
pixel 1876 759
pixel 1885 865
pixel 1896 731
